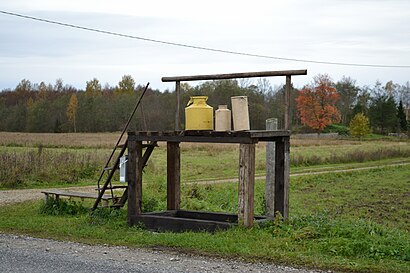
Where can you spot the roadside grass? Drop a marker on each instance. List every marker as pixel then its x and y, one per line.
pixel 355 222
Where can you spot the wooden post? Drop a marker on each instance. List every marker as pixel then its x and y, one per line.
pixel 287 103
pixel 178 106
pixel 282 177
pixel 271 125
pixel 246 184
pixel 173 176
pixel 134 178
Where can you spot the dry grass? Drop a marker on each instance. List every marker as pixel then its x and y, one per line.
pixel 75 140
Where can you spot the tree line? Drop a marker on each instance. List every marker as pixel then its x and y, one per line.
pixel 32 107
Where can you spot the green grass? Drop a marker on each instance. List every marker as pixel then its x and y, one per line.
pixel 356 222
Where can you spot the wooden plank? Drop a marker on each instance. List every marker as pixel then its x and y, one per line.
pixel 235 75
pixel 287 103
pixel 166 223
pixel 75 194
pixel 246 184
pixel 134 178
pixel 282 150
pixel 209 136
pixel 271 124
pixel 173 175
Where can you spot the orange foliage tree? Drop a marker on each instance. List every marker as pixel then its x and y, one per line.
pixel 316 103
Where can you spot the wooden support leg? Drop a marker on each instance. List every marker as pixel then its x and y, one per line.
pixel 173 176
pixel 246 184
pixel 282 177
pixel 271 125
pixel 134 175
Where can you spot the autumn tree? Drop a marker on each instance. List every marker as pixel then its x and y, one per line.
pixel 316 103
pixel 93 88
pixel 359 126
pixel 72 111
pixel 126 85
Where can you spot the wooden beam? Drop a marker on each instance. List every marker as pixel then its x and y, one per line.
pixel 178 106
pixel 134 178
pixel 287 102
pixel 282 149
pixel 246 184
pixel 271 125
pixel 235 75
pixel 173 176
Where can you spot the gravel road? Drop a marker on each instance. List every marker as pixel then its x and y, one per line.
pixel 27 254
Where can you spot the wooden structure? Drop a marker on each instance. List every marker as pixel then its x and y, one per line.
pixel 283 73
pixel 174 218
pixel 57 193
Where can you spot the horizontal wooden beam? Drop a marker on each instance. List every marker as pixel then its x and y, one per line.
pixel 235 75
pixel 248 137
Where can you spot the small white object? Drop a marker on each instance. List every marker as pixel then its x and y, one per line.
pixel 123 168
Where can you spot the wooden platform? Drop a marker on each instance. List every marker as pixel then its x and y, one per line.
pixel 172 219
pixel 246 137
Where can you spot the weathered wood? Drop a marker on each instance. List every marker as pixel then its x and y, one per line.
pixel 173 175
pixel 150 148
pixel 134 178
pixel 271 125
pixel 287 103
pixel 182 220
pixel 282 177
pixel 209 136
pixel 235 75
pixel 178 105
pixel 246 184
pixel 58 193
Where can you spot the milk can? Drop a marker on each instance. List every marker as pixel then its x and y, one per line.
pixel 199 115
pixel 240 113
pixel 222 118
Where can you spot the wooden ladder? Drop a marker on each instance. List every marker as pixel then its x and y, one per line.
pixel 110 170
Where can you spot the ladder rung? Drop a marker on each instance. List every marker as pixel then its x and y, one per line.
pixel 120 145
pixel 113 187
pixel 108 168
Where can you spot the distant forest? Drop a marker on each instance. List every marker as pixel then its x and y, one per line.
pixel 32 107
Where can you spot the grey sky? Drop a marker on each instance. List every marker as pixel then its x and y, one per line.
pixel 360 31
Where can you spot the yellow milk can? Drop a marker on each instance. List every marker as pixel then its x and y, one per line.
pixel 198 114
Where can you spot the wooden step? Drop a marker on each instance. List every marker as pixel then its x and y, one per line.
pixel 113 187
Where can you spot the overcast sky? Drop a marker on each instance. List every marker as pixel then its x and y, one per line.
pixel 347 31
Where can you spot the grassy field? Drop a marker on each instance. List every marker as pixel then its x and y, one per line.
pixel 355 222
pixel 352 221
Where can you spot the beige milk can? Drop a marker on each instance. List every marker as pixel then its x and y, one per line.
pixel 240 113
pixel 223 118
